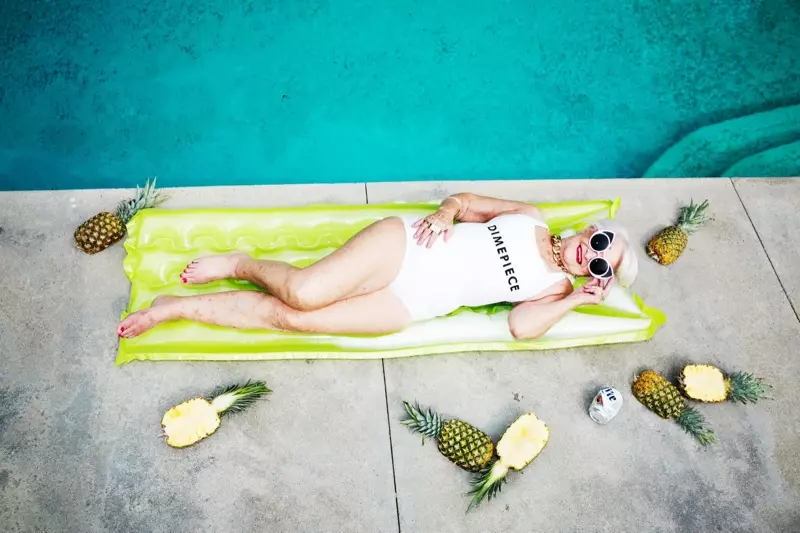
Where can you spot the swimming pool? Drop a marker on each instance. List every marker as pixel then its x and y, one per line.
pixel 106 94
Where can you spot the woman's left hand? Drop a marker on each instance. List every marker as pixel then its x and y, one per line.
pixel 593 292
pixel 433 225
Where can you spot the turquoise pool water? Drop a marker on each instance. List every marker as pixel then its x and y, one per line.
pixel 108 93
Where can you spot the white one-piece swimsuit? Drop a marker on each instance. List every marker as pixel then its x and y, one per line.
pixel 482 264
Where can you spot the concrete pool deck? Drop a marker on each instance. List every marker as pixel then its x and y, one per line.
pixel 79 438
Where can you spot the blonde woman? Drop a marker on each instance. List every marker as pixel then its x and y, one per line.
pixel 473 251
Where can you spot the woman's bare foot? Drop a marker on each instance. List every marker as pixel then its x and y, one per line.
pixel 212 268
pixel 137 323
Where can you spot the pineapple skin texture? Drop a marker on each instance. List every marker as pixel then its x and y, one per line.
pixel 99 232
pixel 704 383
pixel 189 422
pixel 465 445
pixel 523 441
pixel 667 245
pixel 656 393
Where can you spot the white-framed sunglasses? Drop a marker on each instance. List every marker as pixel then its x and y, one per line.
pixel 600 242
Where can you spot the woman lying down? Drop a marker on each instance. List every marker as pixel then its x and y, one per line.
pixel 398 271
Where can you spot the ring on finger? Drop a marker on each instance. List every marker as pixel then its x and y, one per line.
pixel 435 228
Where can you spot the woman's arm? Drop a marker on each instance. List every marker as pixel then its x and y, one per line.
pixel 468 207
pixel 532 319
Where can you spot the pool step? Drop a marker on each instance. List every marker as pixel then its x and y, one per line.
pixel 718 149
pixel 782 161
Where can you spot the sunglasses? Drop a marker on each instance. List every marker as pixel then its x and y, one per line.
pixel 599 267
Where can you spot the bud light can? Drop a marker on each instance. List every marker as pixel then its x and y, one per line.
pixel 606 405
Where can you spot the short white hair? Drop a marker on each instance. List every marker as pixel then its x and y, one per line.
pixel 628 267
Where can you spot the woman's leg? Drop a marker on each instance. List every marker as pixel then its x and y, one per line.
pixel 366 263
pixel 375 313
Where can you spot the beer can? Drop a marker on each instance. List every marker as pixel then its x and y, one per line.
pixel 606 405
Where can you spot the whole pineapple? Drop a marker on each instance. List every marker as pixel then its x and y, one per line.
pixel 666 246
pixel 195 419
pixel 521 443
pixel 462 443
pixel 105 229
pixel 706 383
pixel 663 398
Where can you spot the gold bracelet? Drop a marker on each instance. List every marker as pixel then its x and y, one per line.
pixel 457 201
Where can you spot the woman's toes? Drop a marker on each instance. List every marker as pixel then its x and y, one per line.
pixel 136 323
pixel 124 330
pixel 132 331
pixel 211 268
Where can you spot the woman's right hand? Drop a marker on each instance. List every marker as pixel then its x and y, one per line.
pixel 592 292
pixel 441 220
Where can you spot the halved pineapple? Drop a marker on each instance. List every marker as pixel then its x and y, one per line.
pixel 189 422
pixel 706 383
pixel 197 418
pixel 521 443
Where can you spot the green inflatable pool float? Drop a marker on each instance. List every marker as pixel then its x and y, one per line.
pixel 161 242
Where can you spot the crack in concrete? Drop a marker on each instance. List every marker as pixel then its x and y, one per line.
pixel 763 247
pixel 388 417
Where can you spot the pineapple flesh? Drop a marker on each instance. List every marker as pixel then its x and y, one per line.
pixel 707 383
pixel 190 422
pixel 659 395
pixel 195 419
pixel 461 443
pixel 521 443
pixel 104 229
pixel 668 244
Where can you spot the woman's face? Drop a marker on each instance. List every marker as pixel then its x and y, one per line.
pixel 576 252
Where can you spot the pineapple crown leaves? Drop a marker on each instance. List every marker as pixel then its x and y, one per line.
pixel 746 388
pixel 693 216
pixel 487 483
pixel 236 398
pixel 143 199
pixel 426 422
pixel 693 423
